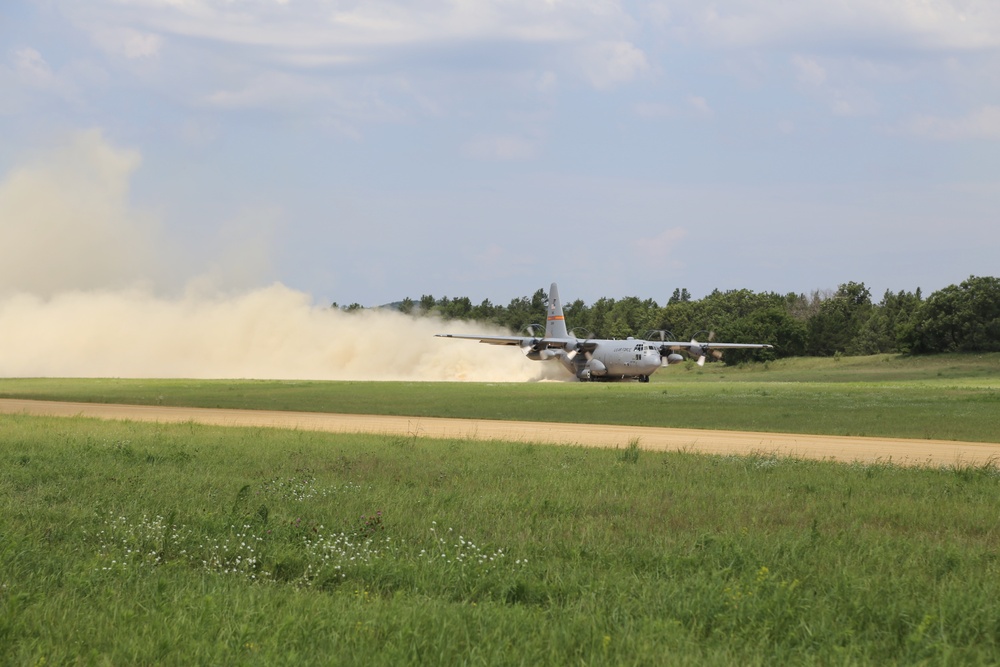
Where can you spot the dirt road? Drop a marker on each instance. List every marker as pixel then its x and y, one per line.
pixel 836 448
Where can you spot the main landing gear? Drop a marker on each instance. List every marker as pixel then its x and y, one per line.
pixel 615 378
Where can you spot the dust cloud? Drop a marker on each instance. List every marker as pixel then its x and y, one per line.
pixel 65 222
pixel 81 296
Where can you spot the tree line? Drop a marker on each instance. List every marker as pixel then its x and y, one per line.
pixel 962 318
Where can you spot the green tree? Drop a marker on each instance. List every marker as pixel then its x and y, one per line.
pixel 881 332
pixel 680 295
pixel 803 307
pixel 631 317
pixel 578 317
pixel 427 302
pixel 681 318
pixel 835 327
pixel 524 311
pixel 959 318
pixel 484 312
pixel 455 309
pixel 773 325
pixel 597 317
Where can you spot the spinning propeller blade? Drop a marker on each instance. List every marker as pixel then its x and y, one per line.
pixel 531 330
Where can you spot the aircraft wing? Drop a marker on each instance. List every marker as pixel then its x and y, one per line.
pixel 702 350
pixel 537 343
pixel 708 346
pixel 492 340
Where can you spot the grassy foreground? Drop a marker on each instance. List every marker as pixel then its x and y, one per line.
pixel 945 397
pixel 127 543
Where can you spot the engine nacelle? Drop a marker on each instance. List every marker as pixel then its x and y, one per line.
pixel 674 358
pixel 596 368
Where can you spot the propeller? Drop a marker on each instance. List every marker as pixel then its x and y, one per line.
pixel 661 335
pixel 668 353
pixel 579 333
pixel 535 332
pixel 702 350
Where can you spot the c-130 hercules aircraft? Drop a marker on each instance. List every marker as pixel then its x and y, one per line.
pixel 604 359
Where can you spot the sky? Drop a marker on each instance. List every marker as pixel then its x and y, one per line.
pixel 362 152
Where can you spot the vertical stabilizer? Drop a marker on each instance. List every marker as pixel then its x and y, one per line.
pixel 555 323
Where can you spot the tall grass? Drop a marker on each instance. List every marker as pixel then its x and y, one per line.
pixel 127 543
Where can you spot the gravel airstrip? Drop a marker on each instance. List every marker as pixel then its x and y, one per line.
pixel 832 448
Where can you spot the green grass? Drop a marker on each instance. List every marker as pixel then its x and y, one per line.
pixel 948 397
pixel 128 543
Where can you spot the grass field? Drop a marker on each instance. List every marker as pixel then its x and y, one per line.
pixel 950 397
pixel 128 543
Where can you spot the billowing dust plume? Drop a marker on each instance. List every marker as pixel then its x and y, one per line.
pixel 76 300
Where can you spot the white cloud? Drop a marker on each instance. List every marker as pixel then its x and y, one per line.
pixel 660 250
pixel 272 89
pixel 700 106
pixel 30 79
pixel 983 123
pixel 693 106
pixel 841 84
pixel 959 25
pixel 499 148
pixel 786 127
pixel 546 81
pixel 337 104
pixel 607 64
pixel 337 64
pixel 376 36
pixel 654 110
pixel 128 42
pixel 809 71
pixel 316 25
pixel 31 66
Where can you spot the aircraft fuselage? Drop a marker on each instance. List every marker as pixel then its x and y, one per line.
pixel 607 359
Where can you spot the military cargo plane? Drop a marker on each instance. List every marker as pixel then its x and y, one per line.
pixel 599 359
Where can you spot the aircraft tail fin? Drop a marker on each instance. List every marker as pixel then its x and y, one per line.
pixel 555 323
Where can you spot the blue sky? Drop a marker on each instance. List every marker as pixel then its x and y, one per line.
pixel 367 151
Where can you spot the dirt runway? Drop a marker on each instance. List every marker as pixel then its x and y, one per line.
pixel 833 448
